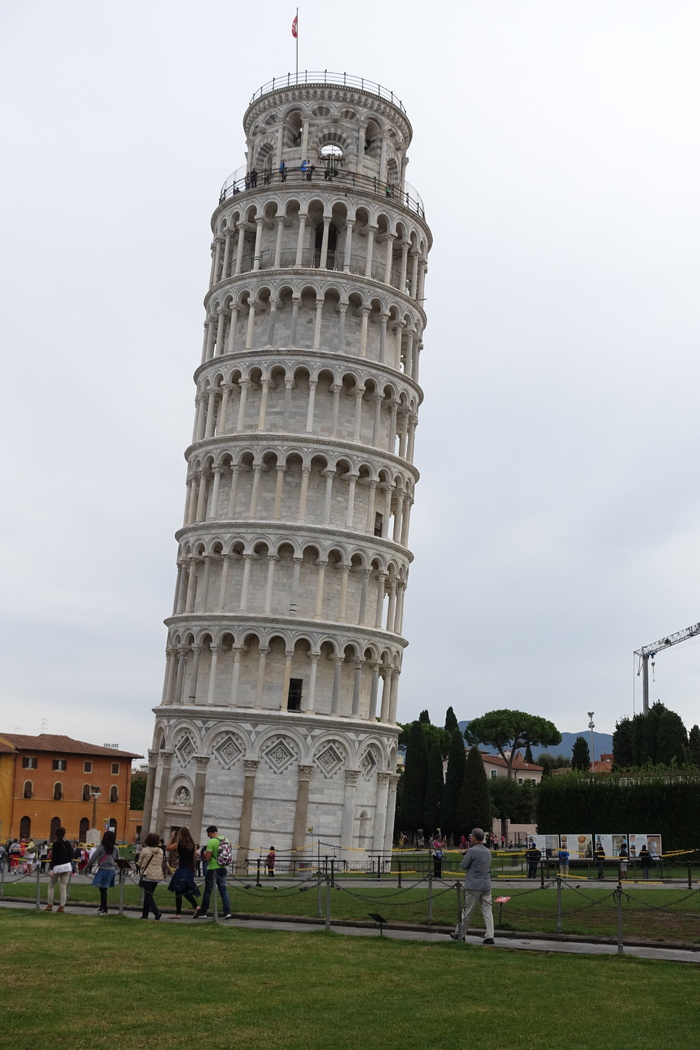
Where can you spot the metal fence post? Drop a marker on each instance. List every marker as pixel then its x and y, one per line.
pixel 122 873
pixel 257 876
pixel 618 894
pixel 541 874
pixel 38 886
pixel 690 876
pixel 430 898
pixel 559 921
pixel 398 865
pixel 2 880
pixel 458 887
pixel 214 891
pixel 328 903
pixel 318 883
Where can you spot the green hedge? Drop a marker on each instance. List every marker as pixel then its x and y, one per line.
pixel 665 804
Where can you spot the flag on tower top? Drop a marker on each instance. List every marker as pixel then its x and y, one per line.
pixel 295 26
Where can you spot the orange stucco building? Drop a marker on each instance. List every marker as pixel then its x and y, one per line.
pixel 47 781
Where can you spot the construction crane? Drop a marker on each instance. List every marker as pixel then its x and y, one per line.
pixel 648 651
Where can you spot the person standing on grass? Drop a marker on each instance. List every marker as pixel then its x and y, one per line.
pixel 104 863
pixel 600 860
pixel 645 860
pixel 563 861
pixel 533 857
pixel 150 864
pixel 477 886
pixel 182 883
pixel 214 873
pixel 270 862
pixel 60 870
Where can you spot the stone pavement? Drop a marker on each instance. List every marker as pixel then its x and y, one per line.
pixel 531 944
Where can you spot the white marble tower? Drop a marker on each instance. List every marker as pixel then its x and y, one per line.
pixel 285 643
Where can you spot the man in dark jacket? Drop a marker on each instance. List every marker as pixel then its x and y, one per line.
pixel 533 857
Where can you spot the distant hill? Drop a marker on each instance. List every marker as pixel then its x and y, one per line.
pixel 603 744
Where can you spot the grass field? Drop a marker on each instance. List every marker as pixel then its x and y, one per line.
pixel 648 914
pixel 73 982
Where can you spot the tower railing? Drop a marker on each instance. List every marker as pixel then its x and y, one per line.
pixel 324 77
pixel 241 181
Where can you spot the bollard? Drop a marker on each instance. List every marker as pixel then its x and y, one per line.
pixel 618 894
pixel 559 919
pixel 38 886
pixel 430 897
pixel 257 877
pixel 328 903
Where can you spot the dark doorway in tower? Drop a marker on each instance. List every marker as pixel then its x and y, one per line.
pixel 294 695
pixel 332 254
pixel 55 825
pixel 84 828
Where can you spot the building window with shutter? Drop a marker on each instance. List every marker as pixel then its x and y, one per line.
pixel 294 696
pixel 58 791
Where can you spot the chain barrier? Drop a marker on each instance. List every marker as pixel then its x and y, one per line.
pixel 660 907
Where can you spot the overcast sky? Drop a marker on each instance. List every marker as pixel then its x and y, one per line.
pixel 556 523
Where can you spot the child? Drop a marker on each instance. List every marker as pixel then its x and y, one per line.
pixel 270 862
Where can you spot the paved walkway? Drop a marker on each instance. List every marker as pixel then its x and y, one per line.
pixel 530 944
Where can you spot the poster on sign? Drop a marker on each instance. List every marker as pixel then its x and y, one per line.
pixel 654 846
pixel 636 841
pixel 617 841
pixel 604 841
pixel 548 845
pixel 579 845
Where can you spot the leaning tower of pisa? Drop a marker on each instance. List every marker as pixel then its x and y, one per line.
pixel 285 643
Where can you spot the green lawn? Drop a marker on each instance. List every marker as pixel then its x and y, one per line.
pixel 648 914
pixel 105 983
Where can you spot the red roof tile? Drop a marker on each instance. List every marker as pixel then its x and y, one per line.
pixel 59 744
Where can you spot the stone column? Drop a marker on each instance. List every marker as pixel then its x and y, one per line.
pixel 150 788
pixel 348 824
pixel 166 758
pixel 313 383
pixel 374 688
pixel 262 658
pixel 302 807
pixel 211 690
pixel 200 780
pixel 380 811
pixel 251 767
pixel 313 657
pixel 390 812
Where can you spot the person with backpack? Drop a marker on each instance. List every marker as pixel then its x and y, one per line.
pixel 218 854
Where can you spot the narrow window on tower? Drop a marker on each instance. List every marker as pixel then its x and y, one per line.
pixel 294 695
pixel 378 523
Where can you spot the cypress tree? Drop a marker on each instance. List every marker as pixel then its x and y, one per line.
pixel 424 717
pixel 580 755
pixel 474 808
pixel 451 722
pixel 433 790
pixel 694 746
pixel 528 755
pixel 414 778
pixel 456 762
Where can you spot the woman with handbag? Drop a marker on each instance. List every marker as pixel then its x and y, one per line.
pixel 150 864
pixel 182 883
pixel 104 863
pixel 60 870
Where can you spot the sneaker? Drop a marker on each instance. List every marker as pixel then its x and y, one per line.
pixel 488 940
pixel 454 936
pixel 197 914
pixel 228 915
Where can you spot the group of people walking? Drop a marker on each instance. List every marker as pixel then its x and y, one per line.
pixel 183 856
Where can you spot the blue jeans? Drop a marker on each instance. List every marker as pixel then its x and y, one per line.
pixel 220 875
